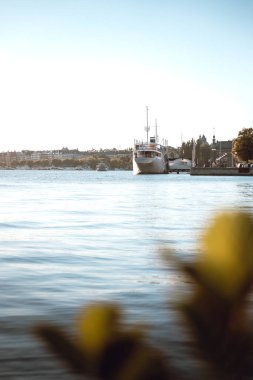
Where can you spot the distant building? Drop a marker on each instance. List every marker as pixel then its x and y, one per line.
pixel 35 156
pixel 222 153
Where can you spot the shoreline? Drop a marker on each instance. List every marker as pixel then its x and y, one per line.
pixel 59 168
pixel 230 171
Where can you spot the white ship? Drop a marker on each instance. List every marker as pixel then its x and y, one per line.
pixel 150 157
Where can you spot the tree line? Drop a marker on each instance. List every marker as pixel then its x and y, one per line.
pixel 123 162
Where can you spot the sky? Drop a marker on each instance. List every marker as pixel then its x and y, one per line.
pixel 80 74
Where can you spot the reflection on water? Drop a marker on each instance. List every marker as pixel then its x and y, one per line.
pixel 245 189
pixel 68 238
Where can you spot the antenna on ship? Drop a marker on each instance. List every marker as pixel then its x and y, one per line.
pixel 147 128
pixel 156 135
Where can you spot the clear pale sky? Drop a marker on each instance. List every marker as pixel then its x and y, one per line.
pixel 79 74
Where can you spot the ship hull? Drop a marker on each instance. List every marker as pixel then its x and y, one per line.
pixel 149 168
pixel 156 165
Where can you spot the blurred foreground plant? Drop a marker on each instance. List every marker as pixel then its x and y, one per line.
pixel 105 348
pixel 216 312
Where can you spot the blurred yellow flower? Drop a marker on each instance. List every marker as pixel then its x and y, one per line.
pixel 96 326
pixel 226 262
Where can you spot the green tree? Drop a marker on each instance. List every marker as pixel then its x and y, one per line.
pixel 242 147
pixel 186 149
pixel 203 151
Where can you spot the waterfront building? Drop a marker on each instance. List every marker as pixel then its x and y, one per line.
pixel 221 153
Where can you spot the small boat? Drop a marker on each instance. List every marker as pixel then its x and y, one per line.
pixel 180 165
pixel 101 167
pixel 150 157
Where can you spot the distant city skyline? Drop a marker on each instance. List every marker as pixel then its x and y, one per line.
pixel 81 73
pixel 121 148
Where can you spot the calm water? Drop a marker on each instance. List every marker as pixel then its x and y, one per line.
pixel 71 237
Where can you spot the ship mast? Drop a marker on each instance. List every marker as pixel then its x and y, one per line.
pixel 156 135
pixel 147 128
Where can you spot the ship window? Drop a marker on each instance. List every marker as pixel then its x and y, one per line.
pixel 148 154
